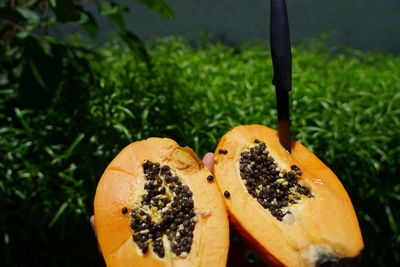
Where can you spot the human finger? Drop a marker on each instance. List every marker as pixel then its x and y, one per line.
pixel 208 161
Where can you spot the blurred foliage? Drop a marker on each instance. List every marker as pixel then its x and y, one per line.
pixel 41 77
pixel 346 108
pixel 36 61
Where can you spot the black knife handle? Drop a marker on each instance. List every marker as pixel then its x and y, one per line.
pixel 280 45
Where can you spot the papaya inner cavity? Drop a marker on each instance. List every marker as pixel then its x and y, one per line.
pixel 165 209
pixel 274 188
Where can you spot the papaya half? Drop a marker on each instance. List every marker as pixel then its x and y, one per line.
pixel 290 207
pixel 157 205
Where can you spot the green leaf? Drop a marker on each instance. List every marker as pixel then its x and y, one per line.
pixel 111 8
pixel 87 22
pixel 125 110
pixel 51 40
pixel 392 221
pixel 72 147
pixel 159 6
pixel 23 34
pixel 20 194
pixel 136 46
pixel 37 74
pixel 122 129
pixel 82 19
pixel 114 12
pixel 119 21
pixel 58 213
pixel 29 15
pixel 53 3
pixel 90 26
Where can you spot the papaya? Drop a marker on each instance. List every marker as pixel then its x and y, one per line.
pixel 157 205
pixel 290 207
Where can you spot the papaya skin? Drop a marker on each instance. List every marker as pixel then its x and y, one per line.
pixel 118 188
pixel 325 222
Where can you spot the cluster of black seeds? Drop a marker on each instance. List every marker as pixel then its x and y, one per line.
pixel 274 189
pixel 166 208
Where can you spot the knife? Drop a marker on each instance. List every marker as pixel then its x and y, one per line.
pixel 282 63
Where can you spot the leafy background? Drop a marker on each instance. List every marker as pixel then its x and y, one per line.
pixel 68 107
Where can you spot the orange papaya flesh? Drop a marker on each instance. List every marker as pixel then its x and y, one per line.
pixel 154 206
pixel 290 207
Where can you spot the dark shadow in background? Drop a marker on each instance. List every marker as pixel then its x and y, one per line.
pixel 361 24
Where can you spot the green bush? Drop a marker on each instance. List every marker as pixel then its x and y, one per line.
pixel 345 108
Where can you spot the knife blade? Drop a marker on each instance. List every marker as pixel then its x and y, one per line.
pixel 282 64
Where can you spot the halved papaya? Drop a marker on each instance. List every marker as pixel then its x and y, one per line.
pixel 155 206
pixel 291 208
